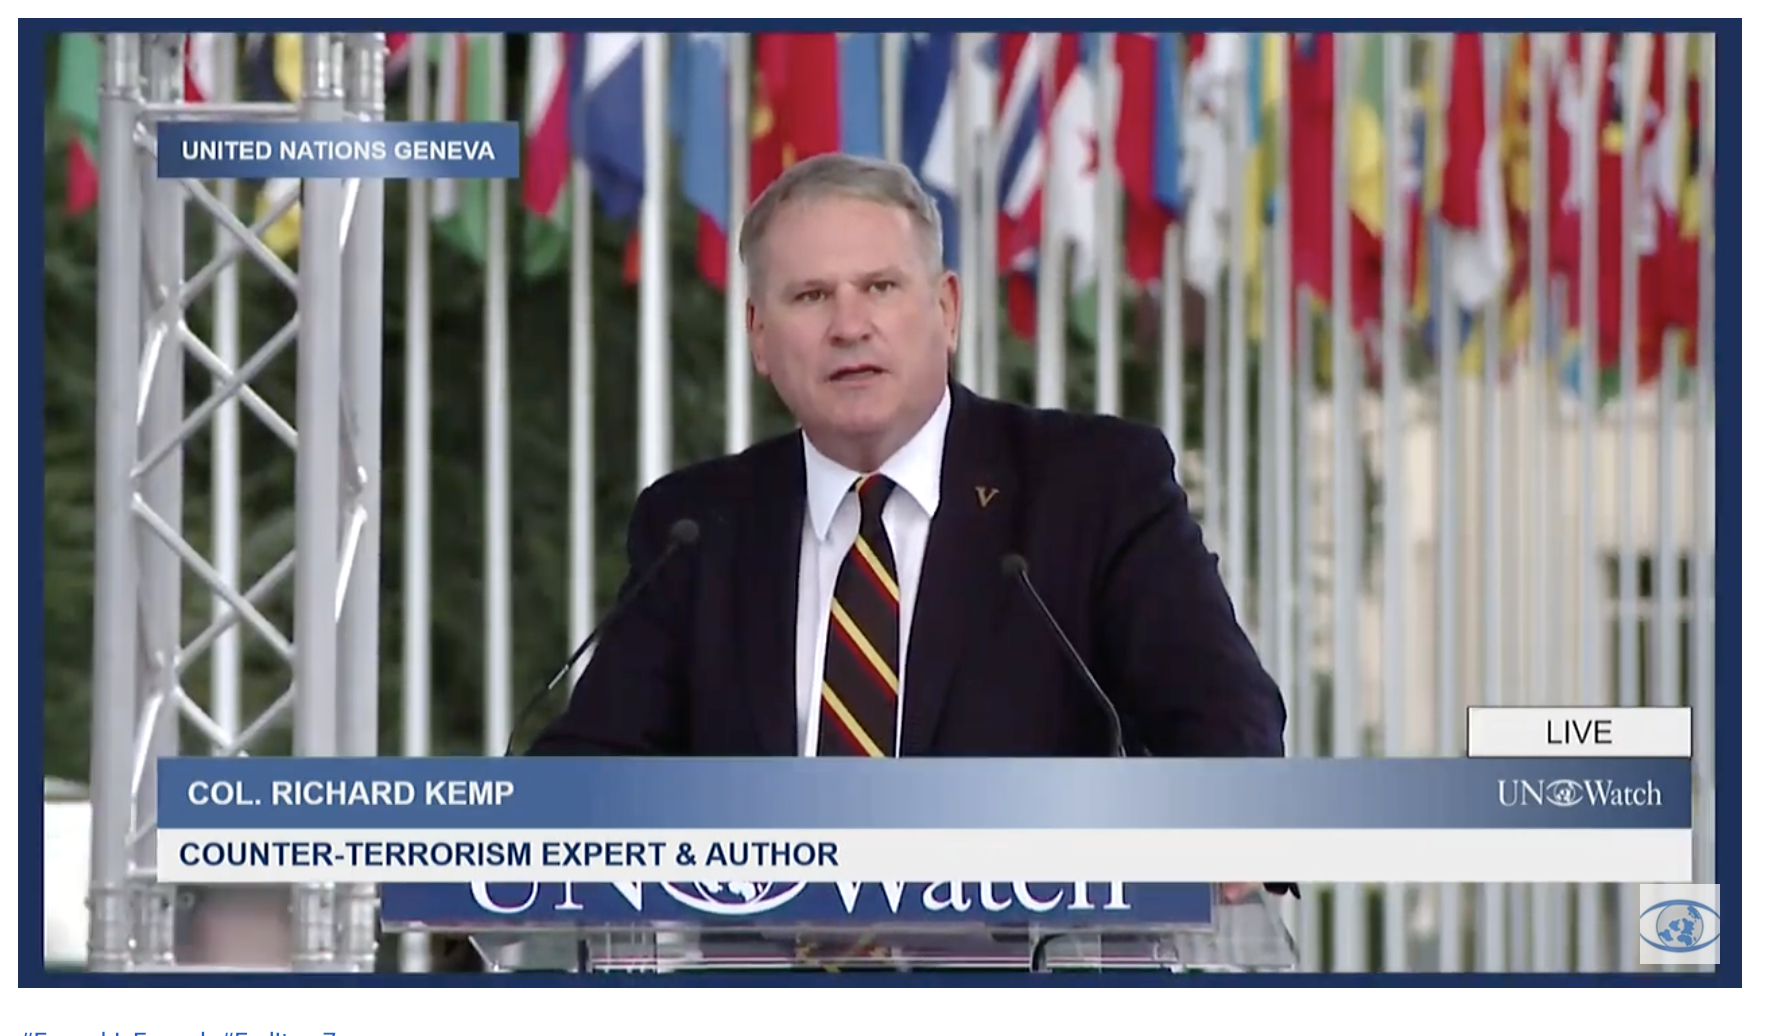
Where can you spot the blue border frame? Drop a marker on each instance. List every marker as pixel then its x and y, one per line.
pixel 35 37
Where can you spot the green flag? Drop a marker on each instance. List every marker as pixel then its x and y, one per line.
pixel 465 61
pixel 77 100
pixel 544 239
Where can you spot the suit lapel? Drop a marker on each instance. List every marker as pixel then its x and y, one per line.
pixel 771 543
pixel 961 581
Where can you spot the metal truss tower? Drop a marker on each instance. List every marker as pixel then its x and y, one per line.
pixel 142 557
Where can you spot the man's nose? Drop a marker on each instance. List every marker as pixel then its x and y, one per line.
pixel 849 318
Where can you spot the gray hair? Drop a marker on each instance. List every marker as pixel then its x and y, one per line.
pixel 844 176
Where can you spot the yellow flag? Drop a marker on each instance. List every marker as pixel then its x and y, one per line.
pixel 278 77
pixel 1266 86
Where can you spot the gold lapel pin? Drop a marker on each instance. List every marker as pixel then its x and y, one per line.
pixel 986 494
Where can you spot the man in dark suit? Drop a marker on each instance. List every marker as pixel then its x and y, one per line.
pixel 847 592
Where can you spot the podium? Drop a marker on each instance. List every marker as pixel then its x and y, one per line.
pixel 913 927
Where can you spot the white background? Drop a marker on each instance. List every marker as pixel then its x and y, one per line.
pixel 1047 856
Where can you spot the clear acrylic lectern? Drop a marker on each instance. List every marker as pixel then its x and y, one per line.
pixel 1245 932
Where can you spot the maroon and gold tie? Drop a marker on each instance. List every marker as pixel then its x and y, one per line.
pixel 860 680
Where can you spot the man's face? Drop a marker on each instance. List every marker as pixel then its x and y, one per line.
pixel 850 323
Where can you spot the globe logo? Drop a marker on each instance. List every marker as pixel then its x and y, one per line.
pixel 733 898
pixel 1679 926
pixel 1563 792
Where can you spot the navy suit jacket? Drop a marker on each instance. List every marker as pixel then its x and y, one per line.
pixel 703 663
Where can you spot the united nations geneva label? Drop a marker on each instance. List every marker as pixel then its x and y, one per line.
pixel 338 150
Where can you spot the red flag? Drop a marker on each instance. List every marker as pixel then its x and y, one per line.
pixel 1018 234
pixel 1312 104
pixel 1467 129
pixel 797 110
pixel 713 252
pixel 1566 240
pixel 633 257
pixel 549 96
pixel 1022 305
pixel 1669 266
pixel 1148 122
pixel 1654 211
pixel 1610 239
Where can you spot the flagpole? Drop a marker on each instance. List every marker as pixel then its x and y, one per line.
pixel 225 464
pixel 1272 632
pixel 1211 338
pixel 1108 350
pixel 1171 408
pixel 1554 908
pixel 1053 274
pixel 1447 710
pixel 1668 576
pixel 1492 901
pixel 1395 504
pixel 1513 515
pixel 970 244
pixel 654 399
pixel 890 69
pixel 1350 913
pixel 1302 687
pixel 1700 570
pixel 497 618
pixel 1583 572
pixel 417 407
pixel 1542 611
pixel 1668 634
pixel 1305 703
pixel 1235 388
pixel 1211 416
pixel 1286 617
pixel 1633 230
pixel 985 157
pixel 1172 354
pixel 583 573
pixel 738 370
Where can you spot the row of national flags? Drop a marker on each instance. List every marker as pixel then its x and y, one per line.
pixel 1199 126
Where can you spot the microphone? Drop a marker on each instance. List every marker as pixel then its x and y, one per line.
pixel 682 534
pixel 459 954
pixel 1014 567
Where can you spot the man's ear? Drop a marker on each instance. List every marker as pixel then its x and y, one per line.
pixel 756 336
pixel 950 308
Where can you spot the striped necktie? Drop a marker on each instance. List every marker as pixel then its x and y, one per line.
pixel 860 680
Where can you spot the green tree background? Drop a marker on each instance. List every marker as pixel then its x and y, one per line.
pixel 540 478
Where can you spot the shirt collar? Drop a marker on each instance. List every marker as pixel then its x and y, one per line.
pixel 915 469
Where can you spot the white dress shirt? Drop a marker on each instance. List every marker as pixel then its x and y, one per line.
pixel 831 524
